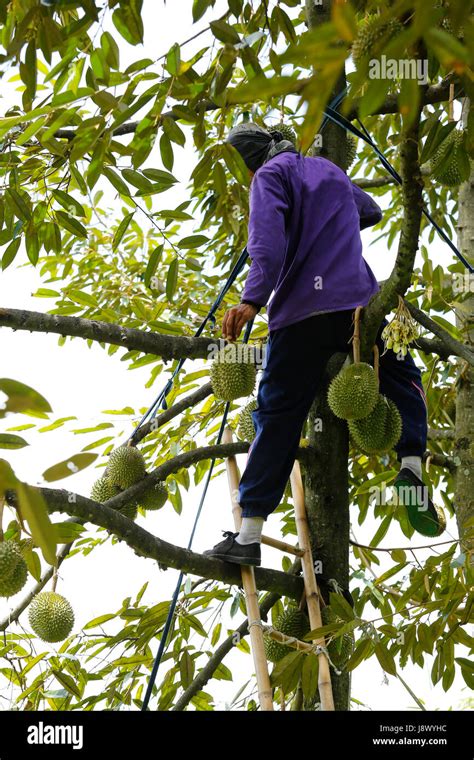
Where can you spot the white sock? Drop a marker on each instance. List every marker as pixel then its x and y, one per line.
pixel 413 464
pixel 250 530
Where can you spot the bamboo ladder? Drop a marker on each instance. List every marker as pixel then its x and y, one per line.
pixel 256 627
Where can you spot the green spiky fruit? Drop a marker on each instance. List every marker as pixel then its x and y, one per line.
pixel 130 510
pixel 291 622
pixel 449 172
pixel 126 466
pixel 15 581
pixel 103 490
pixel 154 498
pixel 246 428
pixel 10 557
pixel 51 616
pixel 351 150
pixel 380 430
pixel 372 36
pixel 233 372
pixel 287 131
pixel 354 391
pixel 339 649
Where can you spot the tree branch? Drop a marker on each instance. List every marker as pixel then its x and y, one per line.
pixel 454 346
pixel 443 434
pixel 193 398
pixel 166 346
pixel 434 94
pixel 146 544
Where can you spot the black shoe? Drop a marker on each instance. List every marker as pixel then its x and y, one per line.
pixel 424 516
pixel 230 550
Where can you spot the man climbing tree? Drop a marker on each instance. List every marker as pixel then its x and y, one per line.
pixel 125 195
pixel 305 245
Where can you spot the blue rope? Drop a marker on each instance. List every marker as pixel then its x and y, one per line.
pixel 174 600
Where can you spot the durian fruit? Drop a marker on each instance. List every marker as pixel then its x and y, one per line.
pixel 233 372
pixel 246 428
pixel 292 622
pixel 51 616
pixel 154 498
pixel 130 510
pixel 340 649
pixel 351 150
pixel 451 173
pixel 13 583
pixel 353 393
pixel 380 430
pixel 287 131
pixel 10 557
pixel 126 466
pixel 103 490
pixel 372 35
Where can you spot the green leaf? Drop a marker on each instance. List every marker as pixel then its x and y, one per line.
pixel 224 32
pixel 385 658
pixel 186 669
pixel 8 441
pixel 116 181
pixel 10 253
pixel 32 508
pixel 362 651
pixel 287 671
pixel 200 7
pixel 69 203
pixel 19 205
pixel 128 21
pixel 152 264
pixel 68 683
pixel 172 279
pixel 67 531
pixel 383 477
pixel 69 467
pixel 309 676
pixel 166 151
pixel 173 59
pixel 22 398
pixel 33 564
pixel 99 620
pixel 70 224
pixel 193 241
pixel 341 607
pixel 121 230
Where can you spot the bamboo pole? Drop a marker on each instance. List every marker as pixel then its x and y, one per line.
pixel 251 596
pixel 282 546
pixel 312 594
pixel 290 641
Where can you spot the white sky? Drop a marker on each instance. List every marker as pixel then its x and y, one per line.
pixel 83 382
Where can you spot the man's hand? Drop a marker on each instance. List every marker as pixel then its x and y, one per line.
pixel 235 318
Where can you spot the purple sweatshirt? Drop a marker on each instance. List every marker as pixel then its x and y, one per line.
pixel 304 239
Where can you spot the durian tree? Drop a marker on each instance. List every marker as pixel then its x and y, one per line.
pixel 87 156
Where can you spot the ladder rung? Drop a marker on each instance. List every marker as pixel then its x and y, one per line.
pixel 282 546
pixel 291 641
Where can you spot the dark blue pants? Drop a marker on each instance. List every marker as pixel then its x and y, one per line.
pixel 296 360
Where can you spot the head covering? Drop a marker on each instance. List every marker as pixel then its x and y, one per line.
pixel 257 145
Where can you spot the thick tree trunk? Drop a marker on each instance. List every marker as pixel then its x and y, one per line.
pixel 326 476
pixel 464 434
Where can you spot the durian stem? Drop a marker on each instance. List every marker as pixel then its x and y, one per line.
pixel 376 362
pixel 55 579
pixel 356 336
pixel 451 103
pixel 2 507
